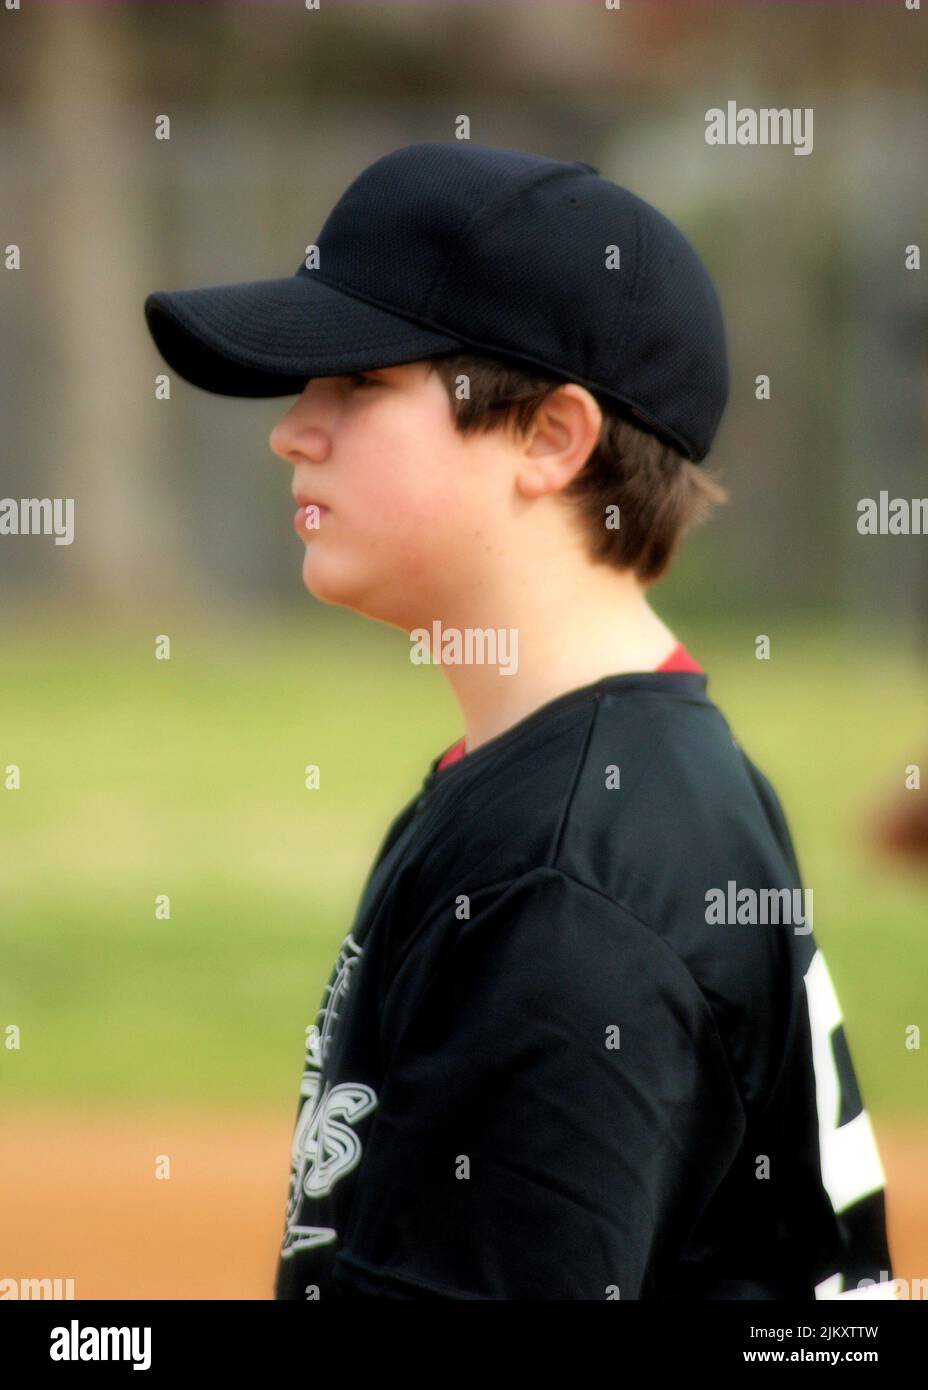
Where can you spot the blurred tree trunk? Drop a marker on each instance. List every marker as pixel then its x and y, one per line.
pixel 95 403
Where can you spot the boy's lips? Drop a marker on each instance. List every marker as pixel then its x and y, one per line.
pixel 299 520
pixel 306 499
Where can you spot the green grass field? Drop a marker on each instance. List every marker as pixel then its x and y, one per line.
pixel 185 777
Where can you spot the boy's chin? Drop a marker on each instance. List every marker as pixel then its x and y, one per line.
pixel 320 585
pixel 341 592
pixel 327 586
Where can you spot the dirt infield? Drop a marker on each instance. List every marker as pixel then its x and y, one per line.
pixel 80 1200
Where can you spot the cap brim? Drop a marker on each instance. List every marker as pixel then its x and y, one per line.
pixel 269 337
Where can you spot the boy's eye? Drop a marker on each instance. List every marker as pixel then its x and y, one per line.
pixel 360 379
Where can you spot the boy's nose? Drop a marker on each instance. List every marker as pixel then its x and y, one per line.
pixel 298 444
pixel 279 441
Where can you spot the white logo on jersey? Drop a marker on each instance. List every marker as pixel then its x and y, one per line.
pixel 325 1147
pixel 850 1161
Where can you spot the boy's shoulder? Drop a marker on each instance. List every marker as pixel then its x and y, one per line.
pixel 623 785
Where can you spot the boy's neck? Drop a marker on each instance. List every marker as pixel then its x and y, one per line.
pixel 558 647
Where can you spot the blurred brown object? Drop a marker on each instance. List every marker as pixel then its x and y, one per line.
pixel 901 828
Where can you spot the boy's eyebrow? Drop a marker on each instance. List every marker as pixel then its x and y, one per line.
pixel 400 369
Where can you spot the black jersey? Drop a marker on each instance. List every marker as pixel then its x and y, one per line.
pixel 580 1042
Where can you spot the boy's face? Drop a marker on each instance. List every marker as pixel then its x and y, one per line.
pixel 409 505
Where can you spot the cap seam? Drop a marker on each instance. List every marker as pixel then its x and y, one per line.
pixel 493 208
pixel 617 346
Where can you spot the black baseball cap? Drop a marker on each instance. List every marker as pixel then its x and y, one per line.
pixel 443 247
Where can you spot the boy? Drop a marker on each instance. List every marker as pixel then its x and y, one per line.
pixel 579 1042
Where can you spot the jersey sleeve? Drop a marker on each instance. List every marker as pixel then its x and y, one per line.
pixel 556 1109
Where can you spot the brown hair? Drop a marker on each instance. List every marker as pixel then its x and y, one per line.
pixel 658 492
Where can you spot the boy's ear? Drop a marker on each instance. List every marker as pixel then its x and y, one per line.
pixel 559 440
